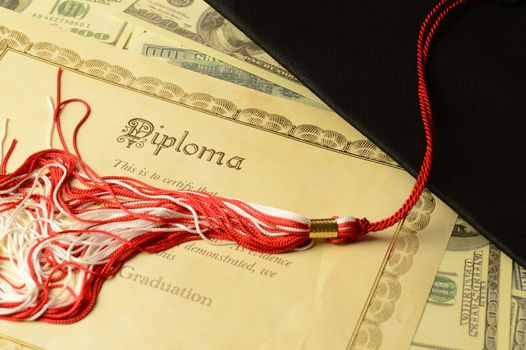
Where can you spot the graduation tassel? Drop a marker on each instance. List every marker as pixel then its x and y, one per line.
pixel 59 242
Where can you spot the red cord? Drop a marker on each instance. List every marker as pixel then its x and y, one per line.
pixel 7 156
pixel 425 36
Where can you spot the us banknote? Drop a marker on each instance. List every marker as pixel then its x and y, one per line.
pixel 151 46
pixel 198 26
pixel 469 303
pixel 518 309
pixel 87 18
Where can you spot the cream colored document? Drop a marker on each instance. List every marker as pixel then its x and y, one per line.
pixel 177 129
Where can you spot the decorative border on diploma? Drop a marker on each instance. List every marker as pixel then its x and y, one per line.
pixel 404 245
pixel 387 288
pixel 254 117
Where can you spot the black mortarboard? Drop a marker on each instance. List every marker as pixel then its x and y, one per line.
pixel 359 57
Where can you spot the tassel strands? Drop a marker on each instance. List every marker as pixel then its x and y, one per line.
pixel 59 242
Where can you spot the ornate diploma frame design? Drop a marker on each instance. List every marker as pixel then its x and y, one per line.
pixel 398 259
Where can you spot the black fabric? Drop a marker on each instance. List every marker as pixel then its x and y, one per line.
pixel 360 59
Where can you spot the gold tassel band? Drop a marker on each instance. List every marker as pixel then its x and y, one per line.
pixel 323 228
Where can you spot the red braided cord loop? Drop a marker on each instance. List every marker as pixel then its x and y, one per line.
pixel 426 34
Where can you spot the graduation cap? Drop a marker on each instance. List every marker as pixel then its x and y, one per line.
pixel 359 57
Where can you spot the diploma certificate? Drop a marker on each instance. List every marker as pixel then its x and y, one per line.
pixel 178 130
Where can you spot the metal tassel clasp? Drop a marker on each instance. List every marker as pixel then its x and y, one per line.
pixel 323 228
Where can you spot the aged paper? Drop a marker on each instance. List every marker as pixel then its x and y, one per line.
pixel 175 129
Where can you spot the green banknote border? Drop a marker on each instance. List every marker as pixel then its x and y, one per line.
pixel 404 245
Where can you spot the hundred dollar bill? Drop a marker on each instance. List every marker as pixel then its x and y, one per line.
pixel 198 26
pixel 518 309
pixel 148 45
pixel 87 18
pixel 469 301
pixel 519 278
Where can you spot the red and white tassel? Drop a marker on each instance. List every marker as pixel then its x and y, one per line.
pixel 60 241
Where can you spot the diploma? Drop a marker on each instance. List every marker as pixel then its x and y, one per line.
pixel 174 129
